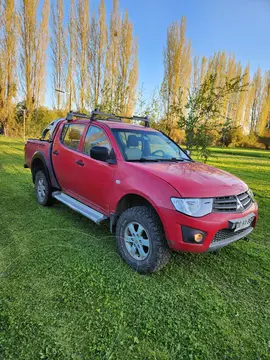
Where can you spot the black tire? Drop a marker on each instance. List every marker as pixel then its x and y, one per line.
pixel 158 253
pixel 46 199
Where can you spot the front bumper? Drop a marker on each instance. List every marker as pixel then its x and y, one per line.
pixel 218 244
pixel 214 225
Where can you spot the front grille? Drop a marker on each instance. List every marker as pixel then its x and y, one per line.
pixel 227 234
pixel 235 203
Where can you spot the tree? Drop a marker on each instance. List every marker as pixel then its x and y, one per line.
pixel 257 100
pixel 243 101
pixel 97 52
pixel 204 111
pixel 128 69
pixel 59 52
pixel 121 72
pixel 112 60
pixel 8 62
pixel 71 70
pixel 83 34
pixel 247 128
pixel 177 71
pixel 34 42
pixel 263 126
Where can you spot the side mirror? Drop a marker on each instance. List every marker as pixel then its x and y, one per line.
pixel 100 153
pixel 188 152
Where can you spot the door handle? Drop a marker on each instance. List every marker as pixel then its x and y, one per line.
pixel 55 152
pixel 80 162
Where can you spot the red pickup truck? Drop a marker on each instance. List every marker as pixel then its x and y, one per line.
pixel 156 198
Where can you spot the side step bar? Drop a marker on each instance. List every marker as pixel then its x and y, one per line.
pixel 76 205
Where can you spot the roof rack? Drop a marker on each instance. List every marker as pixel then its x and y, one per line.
pixel 71 115
pixel 98 115
pixel 145 119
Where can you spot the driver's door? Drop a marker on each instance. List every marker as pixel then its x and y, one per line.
pixel 96 178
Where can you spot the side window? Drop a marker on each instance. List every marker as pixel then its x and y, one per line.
pixel 46 135
pixel 95 137
pixel 71 135
pixel 48 131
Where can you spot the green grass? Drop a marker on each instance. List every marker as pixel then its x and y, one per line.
pixel 242 152
pixel 66 294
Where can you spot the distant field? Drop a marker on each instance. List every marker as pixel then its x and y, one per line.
pixel 65 294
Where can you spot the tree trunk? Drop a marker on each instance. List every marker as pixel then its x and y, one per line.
pixel 5 129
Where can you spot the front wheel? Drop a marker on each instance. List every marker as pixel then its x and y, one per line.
pixel 141 240
pixel 43 189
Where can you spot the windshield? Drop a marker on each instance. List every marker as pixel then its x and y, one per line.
pixel 141 145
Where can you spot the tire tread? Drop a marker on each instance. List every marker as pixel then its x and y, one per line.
pixel 149 216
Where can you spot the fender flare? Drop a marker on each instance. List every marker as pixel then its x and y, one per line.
pixel 40 156
pixel 113 215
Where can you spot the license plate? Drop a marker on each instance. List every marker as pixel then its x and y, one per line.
pixel 241 223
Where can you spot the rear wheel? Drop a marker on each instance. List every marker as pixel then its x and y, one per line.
pixel 141 240
pixel 43 189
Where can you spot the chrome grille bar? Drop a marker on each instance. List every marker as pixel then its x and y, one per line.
pixel 237 203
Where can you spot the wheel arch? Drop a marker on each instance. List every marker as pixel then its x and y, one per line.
pixel 39 163
pixel 128 201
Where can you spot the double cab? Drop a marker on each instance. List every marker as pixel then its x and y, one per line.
pixel 154 196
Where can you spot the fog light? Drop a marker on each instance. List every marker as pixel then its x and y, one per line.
pixel 198 237
pixel 191 235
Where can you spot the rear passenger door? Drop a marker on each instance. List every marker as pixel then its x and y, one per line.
pixel 65 156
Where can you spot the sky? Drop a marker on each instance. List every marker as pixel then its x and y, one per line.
pixel 240 27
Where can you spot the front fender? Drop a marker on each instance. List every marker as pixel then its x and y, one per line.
pixel 129 180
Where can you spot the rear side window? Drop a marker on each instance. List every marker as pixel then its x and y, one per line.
pixel 95 137
pixel 71 135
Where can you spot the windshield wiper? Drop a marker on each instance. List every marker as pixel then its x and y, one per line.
pixel 171 159
pixel 158 160
pixel 143 160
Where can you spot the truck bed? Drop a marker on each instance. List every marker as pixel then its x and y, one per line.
pixel 34 145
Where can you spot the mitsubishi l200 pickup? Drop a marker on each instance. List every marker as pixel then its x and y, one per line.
pixel 156 198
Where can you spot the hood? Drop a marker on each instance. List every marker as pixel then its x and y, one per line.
pixel 192 179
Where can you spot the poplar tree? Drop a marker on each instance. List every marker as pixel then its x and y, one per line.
pixel 132 81
pixel 264 117
pixel 97 52
pixel 83 34
pixel 59 52
pixel 248 106
pixel 242 110
pixel 34 42
pixel 112 60
pixel 8 58
pixel 121 70
pixel 128 69
pixel 177 72
pixel 41 54
pixel 71 69
pixel 257 99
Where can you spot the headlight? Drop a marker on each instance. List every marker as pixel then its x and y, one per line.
pixel 193 207
pixel 250 193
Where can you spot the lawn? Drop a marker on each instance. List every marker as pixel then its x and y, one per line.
pixel 66 294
